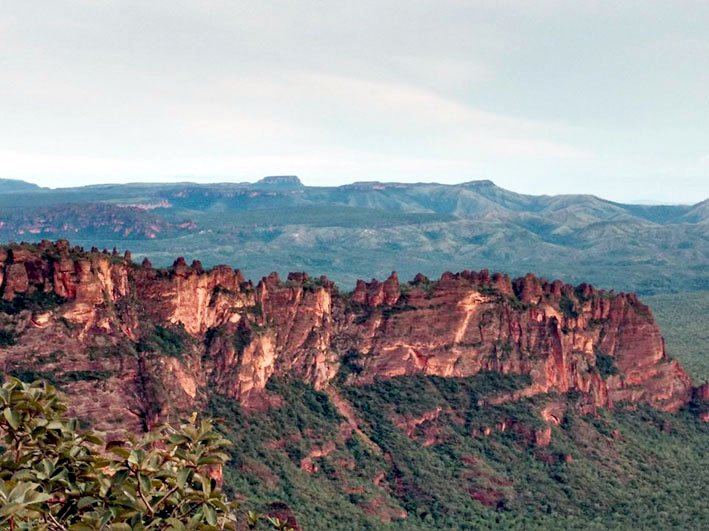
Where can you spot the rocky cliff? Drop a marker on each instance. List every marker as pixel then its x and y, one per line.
pixel 131 344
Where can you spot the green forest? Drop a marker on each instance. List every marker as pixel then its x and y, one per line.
pixel 609 470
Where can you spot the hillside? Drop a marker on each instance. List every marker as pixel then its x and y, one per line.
pixel 365 230
pixel 471 401
pixel 683 320
pixel 12 186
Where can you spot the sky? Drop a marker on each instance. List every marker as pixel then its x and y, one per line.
pixel 544 97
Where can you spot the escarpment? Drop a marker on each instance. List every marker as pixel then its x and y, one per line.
pixel 131 344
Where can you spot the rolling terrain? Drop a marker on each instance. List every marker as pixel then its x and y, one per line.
pixel 366 230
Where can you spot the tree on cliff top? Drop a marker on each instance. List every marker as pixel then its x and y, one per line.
pixel 54 476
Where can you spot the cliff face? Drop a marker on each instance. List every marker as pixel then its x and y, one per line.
pixel 131 344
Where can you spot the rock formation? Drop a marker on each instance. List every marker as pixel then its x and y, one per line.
pixel 132 344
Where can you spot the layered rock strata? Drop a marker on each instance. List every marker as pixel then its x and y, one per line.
pixel 132 344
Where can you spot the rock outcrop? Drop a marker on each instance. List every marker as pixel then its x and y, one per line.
pixel 158 340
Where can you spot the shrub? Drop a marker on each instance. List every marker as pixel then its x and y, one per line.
pixel 605 364
pixel 38 301
pixel 349 366
pixel 168 341
pixel 29 375
pixel 242 338
pixel 89 376
pixel 7 338
pixel 566 305
pixel 54 475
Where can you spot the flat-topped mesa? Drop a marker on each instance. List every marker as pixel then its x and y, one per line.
pixel 606 346
pixel 279 181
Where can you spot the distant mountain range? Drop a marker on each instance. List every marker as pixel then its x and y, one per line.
pixel 367 229
pixel 11 185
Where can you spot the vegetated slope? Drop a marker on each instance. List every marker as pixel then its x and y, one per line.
pixel 683 319
pixel 610 470
pixel 471 401
pixel 94 220
pixel 12 185
pixel 368 229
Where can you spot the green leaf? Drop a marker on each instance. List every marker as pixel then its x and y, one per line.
pixel 93 439
pixel 67 510
pixel 80 527
pixel 23 475
pixel 183 476
pixel 86 501
pixel 119 477
pixel 210 514
pixel 216 459
pixel 176 438
pixel 33 496
pixel 8 509
pixel 12 417
pixel 134 458
pixel 145 484
pixel 120 451
pixel 206 487
pixel 17 494
pixel 253 518
pixel 59 473
pixel 105 519
pixel 55 425
pixel 175 524
pixel 100 462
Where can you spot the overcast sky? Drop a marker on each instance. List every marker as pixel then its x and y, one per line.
pixel 609 98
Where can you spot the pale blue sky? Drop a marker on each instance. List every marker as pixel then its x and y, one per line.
pixel 608 98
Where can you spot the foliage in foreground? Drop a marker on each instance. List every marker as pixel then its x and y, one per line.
pixel 54 476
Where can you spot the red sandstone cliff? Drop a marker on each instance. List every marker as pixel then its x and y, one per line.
pixel 237 335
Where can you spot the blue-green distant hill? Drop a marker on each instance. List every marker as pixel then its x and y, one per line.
pixel 368 229
pixel 11 185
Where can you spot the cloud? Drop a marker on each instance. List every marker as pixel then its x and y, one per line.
pixel 346 111
pixel 600 93
pixel 309 123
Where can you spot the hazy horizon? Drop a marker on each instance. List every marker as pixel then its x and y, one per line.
pixel 547 97
pixel 253 180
